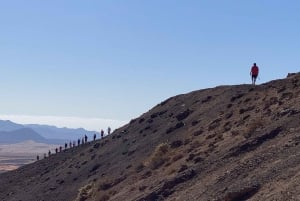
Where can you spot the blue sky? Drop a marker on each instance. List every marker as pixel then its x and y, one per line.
pixel 114 60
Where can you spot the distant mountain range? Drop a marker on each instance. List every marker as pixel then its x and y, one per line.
pixel 9 126
pixel 20 135
pixel 11 132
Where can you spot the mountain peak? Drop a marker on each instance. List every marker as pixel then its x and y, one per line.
pixel 7 125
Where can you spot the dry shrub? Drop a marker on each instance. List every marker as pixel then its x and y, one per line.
pixel 158 157
pixel 104 198
pixel 86 192
pixel 177 157
pixel 235 132
pixel 140 167
pixel 113 192
pixel 172 172
pixel 195 144
pixel 253 126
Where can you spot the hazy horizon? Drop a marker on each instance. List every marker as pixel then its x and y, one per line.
pixel 92 124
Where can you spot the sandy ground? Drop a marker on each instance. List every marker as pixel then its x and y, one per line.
pixel 13 156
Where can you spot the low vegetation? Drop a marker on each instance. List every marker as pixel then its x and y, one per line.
pixel 86 192
pixel 159 156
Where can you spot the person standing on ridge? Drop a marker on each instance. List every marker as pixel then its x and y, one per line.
pixel 102 133
pixel 85 138
pixel 254 73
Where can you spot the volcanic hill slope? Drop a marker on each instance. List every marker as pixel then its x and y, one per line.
pixel 227 143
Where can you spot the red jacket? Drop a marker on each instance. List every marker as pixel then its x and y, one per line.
pixel 254 70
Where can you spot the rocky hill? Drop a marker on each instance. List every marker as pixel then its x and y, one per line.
pixel 227 143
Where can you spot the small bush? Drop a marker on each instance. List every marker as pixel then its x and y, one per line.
pixel 177 157
pixel 195 144
pixel 95 167
pixel 198 132
pixel 105 186
pixel 104 198
pixel 139 168
pixel 97 145
pixel 158 157
pixel 86 192
pixel 142 188
pixel 253 126
pixel 176 144
pixel 187 141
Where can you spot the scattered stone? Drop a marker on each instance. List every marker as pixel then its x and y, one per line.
pixel 191 157
pixel 105 186
pixel 195 122
pixel 52 188
pixel 142 188
pixel 234 98
pixel 290 74
pixel 287 95
pixel 97 145
pixel 165 102
pixel 150 121
pixel 243 110
pixel 141 120
pixel 243 194
pixel 183 168
pixel 176 144
pixel 95 167
pixel 167 188
pixel 198 160
pixel 93 156
pixel 132 121
pixel 254 143
pixel 162 112
pixel 198 132
pixel 154 115
pixel 214 124
pixel 177 126
pixel 228 115
pixel 247 100
pixel 146 175
pixel 207 99
pixel 229 106
pixel 288 112
pixel 183 115
pixel 140 168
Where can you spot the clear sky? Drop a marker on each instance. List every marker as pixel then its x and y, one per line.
pixel 106 62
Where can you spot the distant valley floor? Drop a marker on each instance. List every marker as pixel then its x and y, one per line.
pixel 13 156
pixel 8 163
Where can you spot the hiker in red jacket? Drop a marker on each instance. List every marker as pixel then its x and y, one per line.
pixel 254 73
